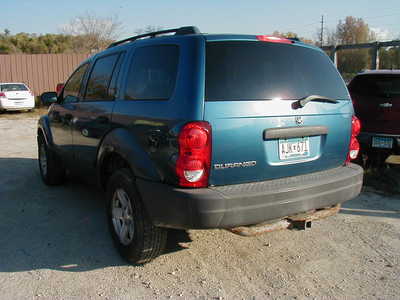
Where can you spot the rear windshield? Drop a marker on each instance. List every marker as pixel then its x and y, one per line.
pixel 376 85
pixel 11 87
pixel 262 71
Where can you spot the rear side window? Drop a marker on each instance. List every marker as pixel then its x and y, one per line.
pixel 100 77
pixel 152 73
pixel 376 85
pixel 262 71
pixel 11 87
pixel 73 86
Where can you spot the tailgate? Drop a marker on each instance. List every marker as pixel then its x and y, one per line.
pixel 246 140
pixel 257 132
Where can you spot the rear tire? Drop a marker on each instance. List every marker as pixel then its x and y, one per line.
pixel 50 166
pixel 136 238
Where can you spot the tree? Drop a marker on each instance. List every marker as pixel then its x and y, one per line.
pixel 148 29
pixel 389 58
pixel 290 34
pixel 352 31
pixel 93 33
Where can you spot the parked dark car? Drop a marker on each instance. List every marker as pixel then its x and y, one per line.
pixel 195 131
pixel 376 100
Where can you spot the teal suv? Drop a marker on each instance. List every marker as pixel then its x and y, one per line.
pixel 193 131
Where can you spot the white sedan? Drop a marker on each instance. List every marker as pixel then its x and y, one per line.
pixel 16 96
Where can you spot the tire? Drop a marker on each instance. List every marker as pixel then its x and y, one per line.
pixel 141 241
pixel 50 166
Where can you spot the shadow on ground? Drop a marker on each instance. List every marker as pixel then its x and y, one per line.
pixel 373 204
pixel 61 228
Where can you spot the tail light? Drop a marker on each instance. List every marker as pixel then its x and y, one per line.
pixel 273 39
pixel 59 88
pixel 194 159
pixel 2 95
pixel 354 147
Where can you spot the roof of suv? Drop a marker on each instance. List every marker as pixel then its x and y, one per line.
pixel 194 31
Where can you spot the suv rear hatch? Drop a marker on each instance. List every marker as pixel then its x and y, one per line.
pixel 376 100
pixel 252 90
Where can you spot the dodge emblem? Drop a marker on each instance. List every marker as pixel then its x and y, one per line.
pixel 298 120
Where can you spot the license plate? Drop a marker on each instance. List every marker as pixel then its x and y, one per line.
pixel 294 148
pixel 382 142
pixel 18 102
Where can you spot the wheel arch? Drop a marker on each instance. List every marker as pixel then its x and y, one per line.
pixel 121 149
pixel 44 130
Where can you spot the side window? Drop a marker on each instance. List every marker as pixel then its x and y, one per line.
pixel 71 89
pixel 99 79
pixel 112 89
pixel 152 73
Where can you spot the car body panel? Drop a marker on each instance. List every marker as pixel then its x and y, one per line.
pixel 238 137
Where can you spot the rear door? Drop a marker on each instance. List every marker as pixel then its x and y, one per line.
pixel 92 116
pixel 376 100
pixel 259 133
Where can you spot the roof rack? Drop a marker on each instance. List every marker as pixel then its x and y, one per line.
pixel 178 31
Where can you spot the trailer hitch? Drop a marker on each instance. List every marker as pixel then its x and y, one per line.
pixel 299 222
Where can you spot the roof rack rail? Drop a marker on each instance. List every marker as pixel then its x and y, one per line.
pixel 178 31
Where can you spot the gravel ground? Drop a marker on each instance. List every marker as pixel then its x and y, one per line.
pixel 54 244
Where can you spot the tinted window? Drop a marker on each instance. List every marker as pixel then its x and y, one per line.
pixel 112 89
pixel 13 87
pixel 259 71
pixel 152 73
pixel 100 77
pixel 376 85
pixel 71 89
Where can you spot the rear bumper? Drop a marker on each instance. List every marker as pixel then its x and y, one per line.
pixel 251 203
pixel 10 106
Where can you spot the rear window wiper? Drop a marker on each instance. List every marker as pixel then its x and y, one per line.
pixel 314 98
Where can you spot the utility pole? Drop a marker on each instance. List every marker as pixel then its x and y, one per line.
pixel 322 31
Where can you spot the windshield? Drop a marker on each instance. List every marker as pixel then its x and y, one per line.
pixel 12 87
pixel 376 85
pixel 261 71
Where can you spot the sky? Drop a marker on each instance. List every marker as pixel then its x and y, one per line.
pixel 218 16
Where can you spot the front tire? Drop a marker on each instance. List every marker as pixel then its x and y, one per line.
pixel 136 238
pixel 50 166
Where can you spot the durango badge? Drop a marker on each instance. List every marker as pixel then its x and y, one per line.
pixel 244 164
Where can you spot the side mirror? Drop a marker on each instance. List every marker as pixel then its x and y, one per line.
pixel 48 98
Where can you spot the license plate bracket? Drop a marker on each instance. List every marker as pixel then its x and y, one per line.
pixel 293 148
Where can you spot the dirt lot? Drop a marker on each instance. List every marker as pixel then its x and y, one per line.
pixel 54 244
